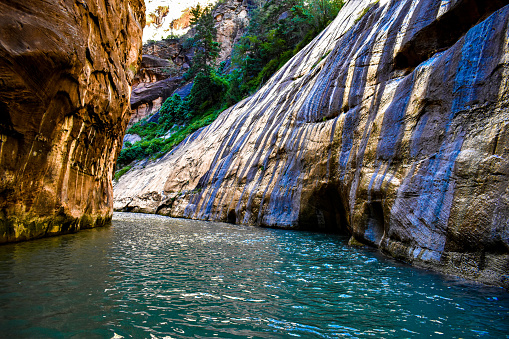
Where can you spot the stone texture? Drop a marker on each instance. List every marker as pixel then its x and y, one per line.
pixel 147 97
pixel 164 62
pixel 65 73
pixel 131 138
pixel 405 149
pixel 231 20
pixel 160 74
pixel 170 49
pixel 169 17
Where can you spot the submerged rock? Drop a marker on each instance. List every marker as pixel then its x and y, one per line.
pixel 392 125
pixel 66 69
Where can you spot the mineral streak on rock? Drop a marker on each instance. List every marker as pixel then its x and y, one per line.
pixel 377 129
pixel 66 69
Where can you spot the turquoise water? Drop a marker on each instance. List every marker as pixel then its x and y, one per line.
pixel 150 276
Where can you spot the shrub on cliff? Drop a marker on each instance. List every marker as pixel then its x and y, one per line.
pixel 173 111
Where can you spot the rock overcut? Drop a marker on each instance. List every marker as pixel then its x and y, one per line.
pixel 66 69
pixel 392 125
pixel 162 65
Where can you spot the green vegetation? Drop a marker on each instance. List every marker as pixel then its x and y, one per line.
pixel 173 36
pixel 121 172
pixel 206 47
pixel 171 69
pixel 276 32
pixel 156 141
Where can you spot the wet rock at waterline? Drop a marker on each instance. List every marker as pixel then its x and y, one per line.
pixel 381 127
pixel 66 69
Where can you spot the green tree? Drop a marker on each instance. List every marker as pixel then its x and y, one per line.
pixel 173 111
pixel 204 42
pixel 277 31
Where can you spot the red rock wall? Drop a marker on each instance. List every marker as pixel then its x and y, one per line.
pixel 66 69
pixel 169 59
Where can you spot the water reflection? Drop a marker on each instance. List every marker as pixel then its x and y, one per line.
pixel 152 276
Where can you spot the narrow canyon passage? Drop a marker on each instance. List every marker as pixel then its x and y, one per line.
pixel 295 169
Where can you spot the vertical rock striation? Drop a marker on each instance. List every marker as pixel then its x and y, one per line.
pixel 392 125
pixel 66 69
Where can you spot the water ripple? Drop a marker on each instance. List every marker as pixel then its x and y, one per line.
pixel 157 277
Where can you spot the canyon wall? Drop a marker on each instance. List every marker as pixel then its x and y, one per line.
pixel 66 69
pixel 169 17
pixel 231 20
pixel 165 62
pixel 392 126
pixel 162 65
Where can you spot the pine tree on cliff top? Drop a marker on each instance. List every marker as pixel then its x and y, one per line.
pixel 206 48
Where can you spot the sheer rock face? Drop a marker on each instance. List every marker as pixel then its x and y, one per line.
pixel 392 126
pixel 170 49
pixel 231 20
pixel 160 74
pixel 66 69
pixel 148 97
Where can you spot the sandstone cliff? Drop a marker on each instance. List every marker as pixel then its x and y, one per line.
pixel 160 74
pixel 165 61
pixel 231 20
pixel 66 69
pixel 392 125
pixel 169 17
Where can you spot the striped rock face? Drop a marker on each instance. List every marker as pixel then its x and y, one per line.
pixel 392 125
pixel 66 68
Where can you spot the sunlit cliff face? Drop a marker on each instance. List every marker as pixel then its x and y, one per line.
pixel 66 69
pixel 161 14
pixel 382 127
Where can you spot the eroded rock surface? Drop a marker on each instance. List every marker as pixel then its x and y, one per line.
pixel 164 62
pixel 169 17
pixel 66 69
pixel 231 20
pixel 160 74
pixel 376 129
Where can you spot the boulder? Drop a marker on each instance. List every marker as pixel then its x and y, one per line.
pixel 131 138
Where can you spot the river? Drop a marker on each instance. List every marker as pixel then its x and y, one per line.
pixel 150 276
